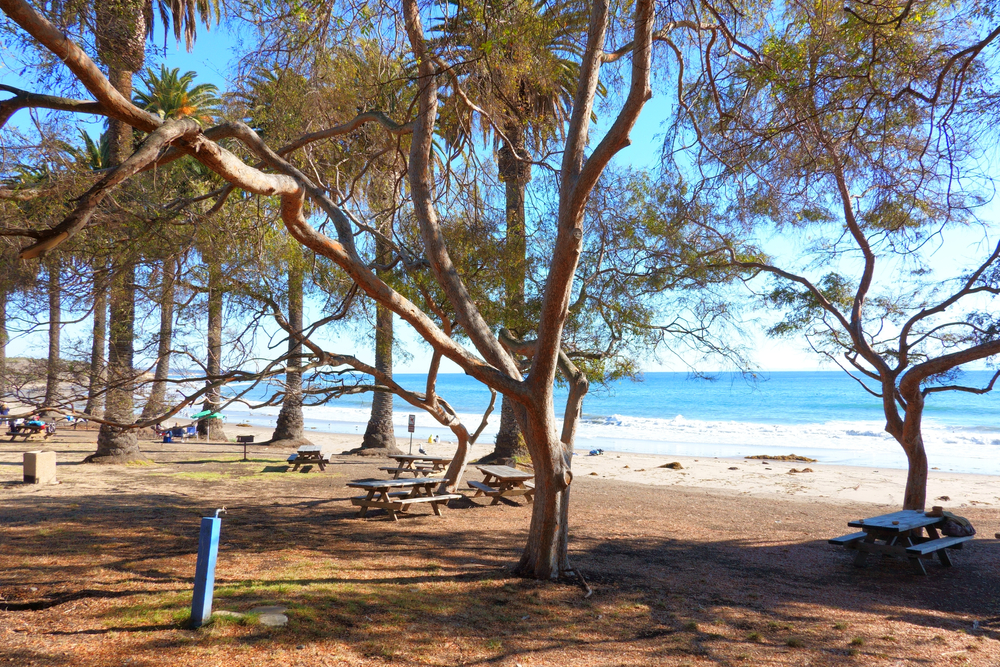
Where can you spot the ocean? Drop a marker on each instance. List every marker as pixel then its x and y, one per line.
pixel 824 415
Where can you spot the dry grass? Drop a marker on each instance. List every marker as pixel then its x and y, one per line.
pixel 97 571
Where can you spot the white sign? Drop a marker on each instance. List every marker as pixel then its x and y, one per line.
pixel 413 423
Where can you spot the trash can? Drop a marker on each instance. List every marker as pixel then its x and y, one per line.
pixel 167 438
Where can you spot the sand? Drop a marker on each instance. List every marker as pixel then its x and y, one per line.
pixel 749 477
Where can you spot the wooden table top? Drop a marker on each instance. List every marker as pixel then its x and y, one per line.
pixel 394 483
pixel 419 457
pixel 506 472
pixel 905 520
pixel 310 449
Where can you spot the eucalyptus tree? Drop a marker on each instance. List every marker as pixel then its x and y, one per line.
pixel 364 166
pixel 856 128
pixel 517 69
pixel 467 339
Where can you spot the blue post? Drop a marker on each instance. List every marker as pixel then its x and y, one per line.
pixel 204 571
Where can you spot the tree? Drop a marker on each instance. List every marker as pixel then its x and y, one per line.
pixel 290 427
pixel 121 29
pixel 172 95
pixel 486 358
pixel 516 62
pixel 54 370
pixel 858 126
pixel 96 376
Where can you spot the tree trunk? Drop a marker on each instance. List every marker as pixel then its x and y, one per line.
pixel 3 342
pixel 515 174
pixel 120 32
pixel 157 394
pixel 114 444
pixel 912 441
pixel 290 429
pixel 212 428
pixel 95 395
pixel 509 441
pixel 380 436
pixel 53 368
pixel 546 554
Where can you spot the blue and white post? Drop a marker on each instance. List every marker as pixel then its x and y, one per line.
pixel 204 571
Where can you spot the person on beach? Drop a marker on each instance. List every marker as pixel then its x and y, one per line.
pixel 4 410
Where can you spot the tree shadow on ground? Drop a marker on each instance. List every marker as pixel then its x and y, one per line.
pixel 389 590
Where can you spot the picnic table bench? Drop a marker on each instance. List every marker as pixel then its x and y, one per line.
pixel 396 495
pixel 417 464
pixel 900 534
pixel 503 481
pixel 309 454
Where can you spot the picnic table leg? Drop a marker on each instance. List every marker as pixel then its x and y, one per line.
pixel 942 554
pixel 862 556
pixel 364 508
pixel 503 488
pixel 322 463
pixel 385 497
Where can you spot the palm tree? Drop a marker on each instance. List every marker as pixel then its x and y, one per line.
pixel 121 27
pixel 516 62
pixel 170 95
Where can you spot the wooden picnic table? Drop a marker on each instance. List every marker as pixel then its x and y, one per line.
pixel 417 464
pixel 309 454
pixel 27 431
pixel 396 495
pixel 502 482
pixel 900 534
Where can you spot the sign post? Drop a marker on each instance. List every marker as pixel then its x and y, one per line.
pixel 204 571
pixel 411 427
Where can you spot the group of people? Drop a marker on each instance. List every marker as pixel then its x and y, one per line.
pixel 33 423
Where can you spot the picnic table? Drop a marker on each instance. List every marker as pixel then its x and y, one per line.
pixel 900 534
pixel 503 481
pixel 26 431
pixel 418 464
pixel 396 495
pixel 309 454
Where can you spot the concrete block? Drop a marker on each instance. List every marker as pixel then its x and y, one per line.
pixel 39 467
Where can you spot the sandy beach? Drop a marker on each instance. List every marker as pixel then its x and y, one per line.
pixel 739 476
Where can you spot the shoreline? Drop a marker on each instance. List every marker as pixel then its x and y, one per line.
pixel 736 475
pixel 827 482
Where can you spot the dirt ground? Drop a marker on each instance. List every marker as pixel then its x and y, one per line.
pixel 97 571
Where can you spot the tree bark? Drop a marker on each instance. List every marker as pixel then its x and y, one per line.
pixel 3 342
pixel 515 174
pixel 212 428
pixel 115 444
pixel 95 395
pixel 157 394
pixel 120 32
pixel 912 440
pixel 380 436
pixel 546 554
pixel 290 428
pixel 53 368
